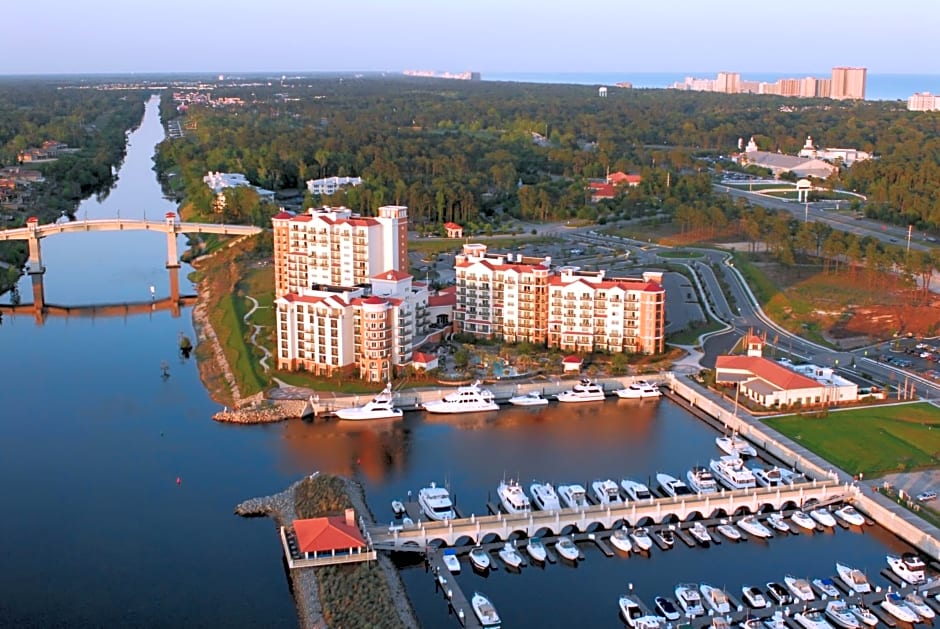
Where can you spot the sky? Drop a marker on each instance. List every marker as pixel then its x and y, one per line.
pixel 690 36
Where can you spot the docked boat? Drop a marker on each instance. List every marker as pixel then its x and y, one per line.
pixel 512 497
pixel 536 550
pixel 800 588
pixel 850 515
pixel 753 597
pixel 450 561
pixel 467 399
pixel 567 549
pixel 779 593
pixel 634 615
pixel 484 610
pixel 584 391
pixel 620 539
pixel 672 486
pixel 751 623
pixel 715 599
pixel 803 520
pixel 773 477
pixel 544 496
pixel 729 531
pixel 641 389
pixel 751 526
pixel 730 472
pixel 909 567
pixel 864 615
pixel 573 496
pixel 823 516
pixel 398 508
pixel 635 491
pixel 701 534
pixel 894 605
pixel 435 503
pixel 719 622
pixel 607 493
pixel 735 447
pixel 701 480
pixel 666 538
pixel 853 578
pixel 838 612
pixel 812 619
pixel 916 602
pixel 826 587
pixel 777 621
pixel 777 522
pixel 382 406
pixel 641 538
pixel 666 608
pixel 532 398
pixel 510 556
pixel 479 558
pixel 689 599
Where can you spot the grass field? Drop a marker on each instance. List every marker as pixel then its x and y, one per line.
pixel 874 440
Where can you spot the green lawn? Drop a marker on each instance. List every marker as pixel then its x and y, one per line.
pixel 874 440
pixel 679 253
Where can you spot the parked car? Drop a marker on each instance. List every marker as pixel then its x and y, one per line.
pixel 926 496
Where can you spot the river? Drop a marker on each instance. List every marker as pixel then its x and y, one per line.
pixel 97 531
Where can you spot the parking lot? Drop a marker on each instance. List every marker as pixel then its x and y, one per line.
pixel 921 356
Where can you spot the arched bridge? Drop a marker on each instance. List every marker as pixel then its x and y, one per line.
pixel 502 527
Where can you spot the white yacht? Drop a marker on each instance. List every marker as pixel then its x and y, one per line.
pixel 544 496
pixel 701 534
pixel 532 398
pixel 512 497
pixel 776 521
pixel 841 616
pixel 701 480
pixel 803 521
pixel 607 493
pixel 666 608
pixel 735 446
pixel 584 391
pixel 774 476
pixel 689 599
pixel 666 537
pixel 730 531
pixel 864 615
pixel 467 399
pixel 382 406
pixel 435 503
pixel 779 593
pixel 672 486
pixel 894 605
pixel 510 556
pixel 715 599
pixel 641 538
pixel 853 578
pixel 536 550
pixel 730 472
pixel 450 561
pixel 573 496
pixel 484 610
pixel 827 587
pixel 398 508
pixel 850 516
pixel 751 526
pixel 753 597
pixel 634 615
pixel 635 491
pixel 916 602
pixel 620 539
pixel 800 588
pixel 479 558
pixel 567 549
pixel 641 389
pixel 812 619
pixel 823 516
pixel 909 567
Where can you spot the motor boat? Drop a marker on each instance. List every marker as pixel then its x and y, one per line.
pixel 909 567
pixel 382 406
pixel 864 615
pixel 701 534
pixel 839 614
pixel 777 621
pixel 850 516
pixel 773 477
pixel 607 493
pixel 584 391
pixel 479 558
pixel 435 503
pixel 406 521
pixel 812 619
pixel 894 605
pixel 641 389
pixel 800 588
pixel 729 531
pixel 826 587
pixel 730 472
pixel 634 615
pixel 536 550
pixel 510 556
pixel 735 447
pixel 751 623
pixel 641 539
pixel 532 398
pixel 778 593
pixel 701 480
pixel 544 496
pixel 666 538
pixel 751 526
pixel 398 508
pixel 467 399
pixel 566 548
pixel 635 491
pixel 777 522
pixel 573 496
pixel 823 516
pixel 719 622
pixel 715 599
pixel 853 578
pixel 666 608
pixel 916 602
pixel 620 539
pixel 803 520
pixel 450 561
pixel 753 597
pixel 672 486
pixel 484 610
pixel 512 497
pixel 689 599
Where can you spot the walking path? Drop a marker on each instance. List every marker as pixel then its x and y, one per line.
pixel 254 335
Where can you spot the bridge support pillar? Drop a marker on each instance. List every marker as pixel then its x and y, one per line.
pixel 39 299
pixel 35 257
pixel 174 273
pixel 172 258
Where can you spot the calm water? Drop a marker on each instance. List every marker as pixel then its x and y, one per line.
pixel 97 532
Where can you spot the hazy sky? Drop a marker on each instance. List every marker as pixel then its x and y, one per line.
pixel 796 36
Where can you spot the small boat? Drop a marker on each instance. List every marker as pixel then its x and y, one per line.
pixel 544 496
pixel 864 615
pixel 850 516
pixel 853 578
pixel 823 516
pixel 735 447
pixel 607 493
pixel 512 497
pixel 584 391
pixel 666 538
pixel 536 550
pixel 916 602
pixel 701 480
pixel 777 621
pixel 826 587
pixel 633 614
pixel 701 534
pixel 435 503
pixel 909 567
pixel 666 608
pixel 719 622
pixel 480 558
pixel 689 599
pixel 532 398
pixel 715 599
pixel 450 561
pixel 484 610
pixel 398 508
pixel 753 597
pixel 779 593
pixel 812 619
pixel 894 605
pixel 672 486
pixel 839 614
pixel 800 588
pixel 776 521
pixel 635 491
pixel 406 521
pixel 620 539
pixel 467 399
pixel 641 389
pixel 730 531
pixel 803 521
pixel 382 406
pixel 774 477
pixel 573 496
pixel 751 623
pixel 641 538
pixel 510 556
pixel 566 548
pixel 730 472
pixel 751 526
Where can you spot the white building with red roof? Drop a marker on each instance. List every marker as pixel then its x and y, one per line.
pixel 453 230
pixel 325 541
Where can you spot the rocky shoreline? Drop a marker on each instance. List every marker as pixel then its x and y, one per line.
pixel 262 412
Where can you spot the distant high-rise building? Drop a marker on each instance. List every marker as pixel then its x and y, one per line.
pixel 808 87
pixel 848 83
pixel 823 88
pixel 923 102
pixel 728 82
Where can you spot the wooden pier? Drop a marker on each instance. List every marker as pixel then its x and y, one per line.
pixel 445 583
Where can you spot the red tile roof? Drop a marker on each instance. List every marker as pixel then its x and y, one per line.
pixel 449 299
pixel 768 370
pixel 618 178
pixel 571 360
pixel 326 534
pixel 423 357
pixel 601 190
pixel 394 274
pixel 452 226
pixel 281 216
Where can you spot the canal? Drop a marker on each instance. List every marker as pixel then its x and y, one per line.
pixel 98 532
